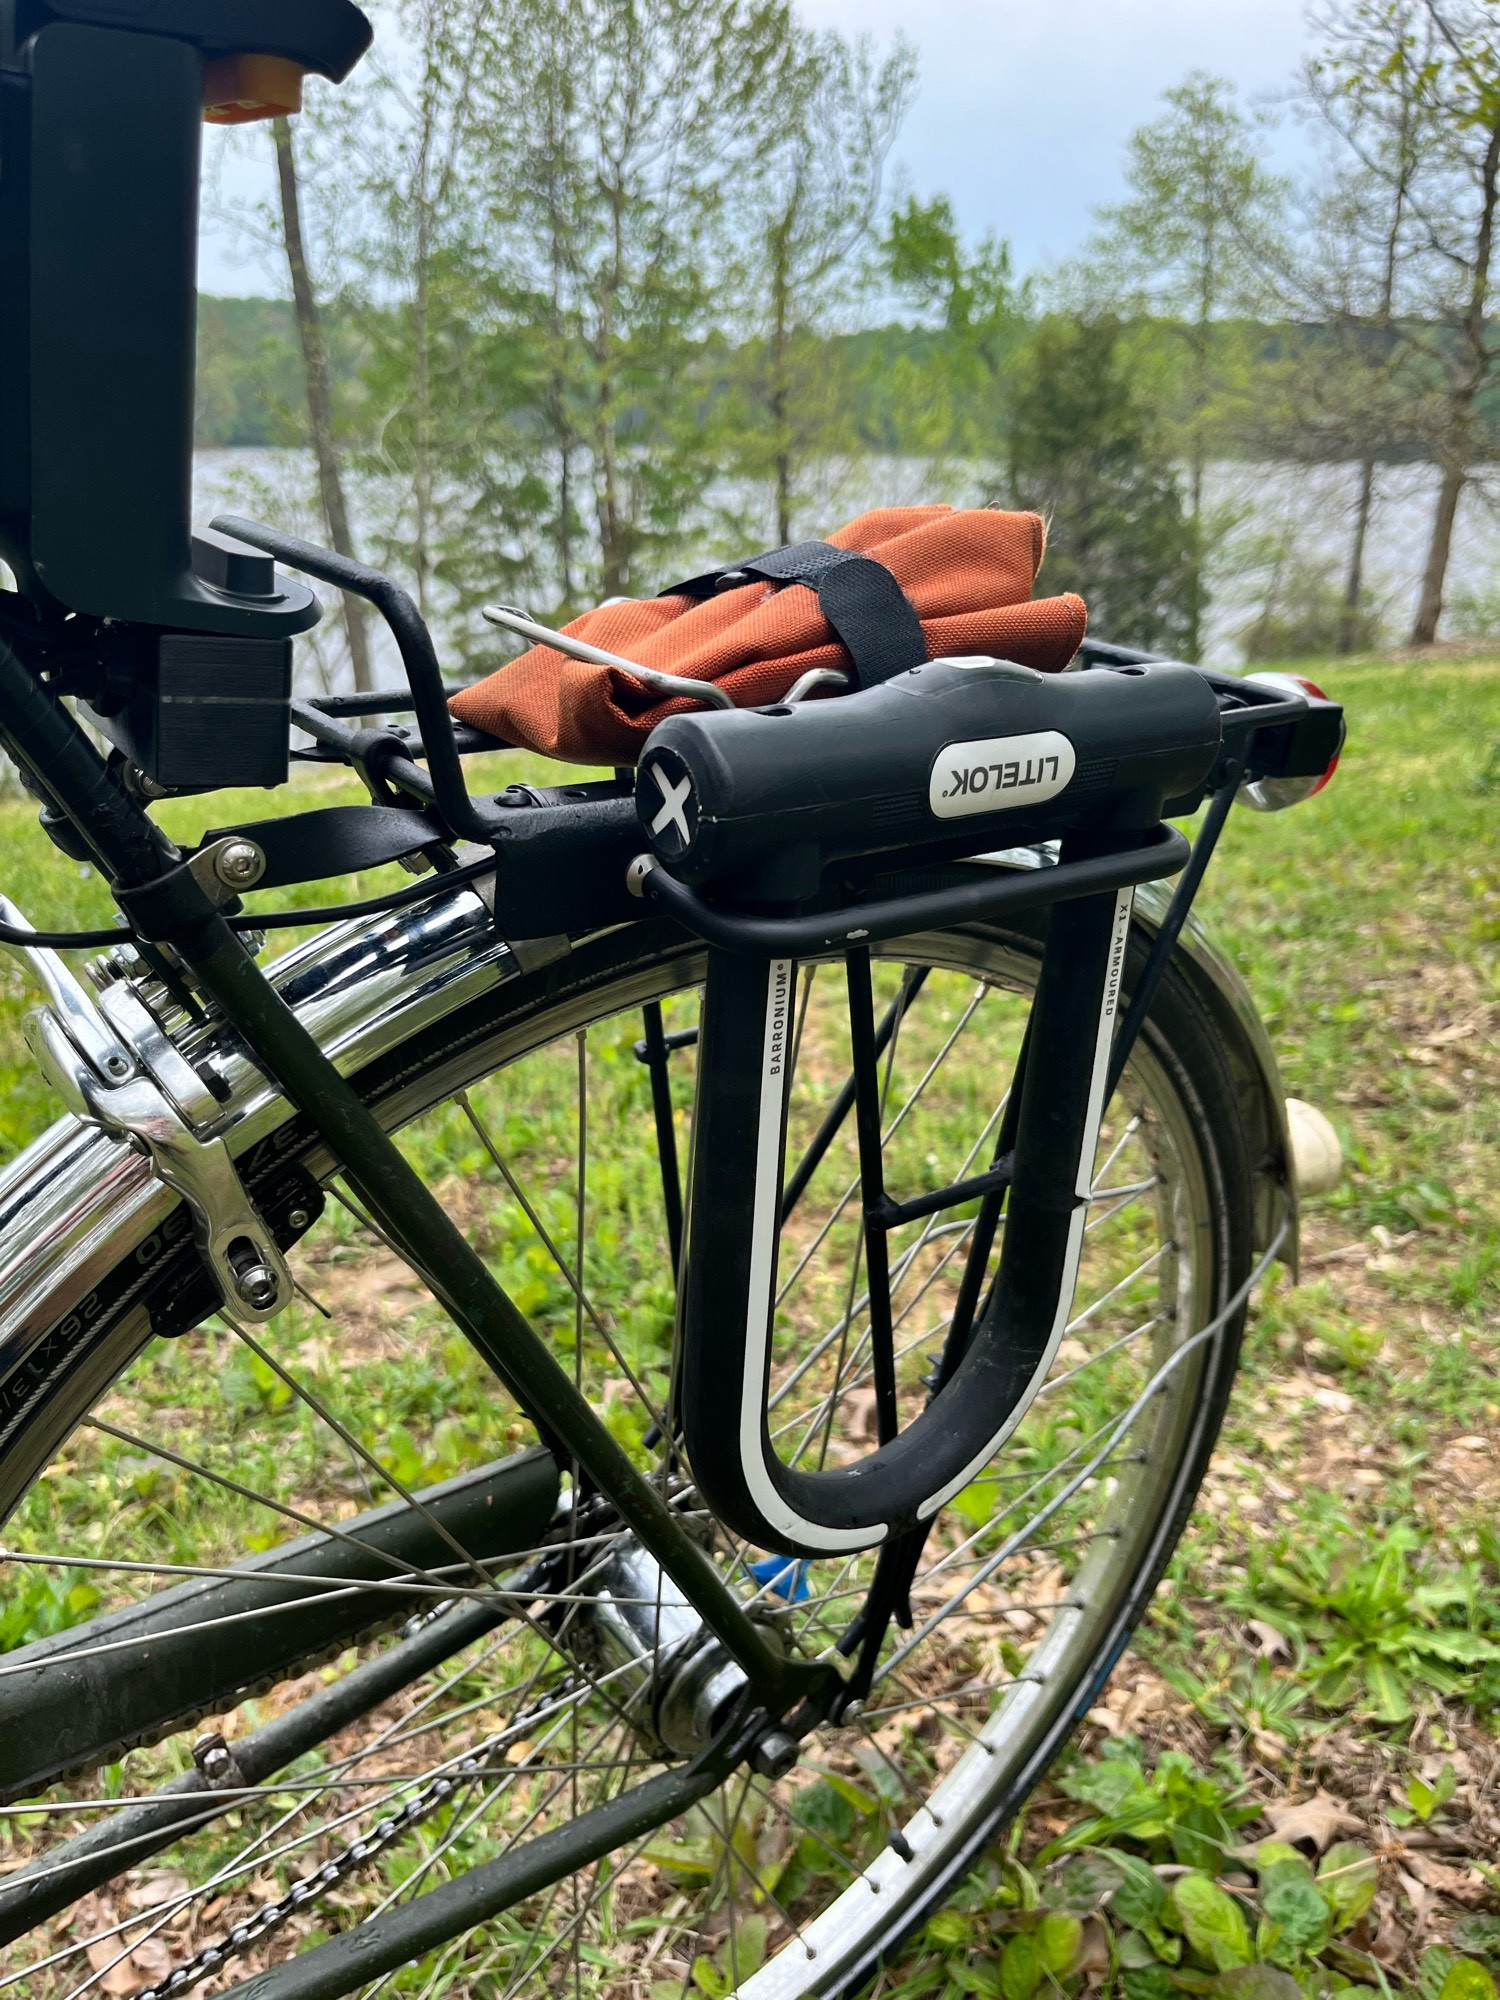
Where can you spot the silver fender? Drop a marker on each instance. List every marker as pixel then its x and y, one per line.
pixel 1252 1060
pixel 76 1202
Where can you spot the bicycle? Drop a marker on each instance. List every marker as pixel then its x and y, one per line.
pixel 758 1590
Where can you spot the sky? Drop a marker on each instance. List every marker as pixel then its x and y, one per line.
pixel 1024 105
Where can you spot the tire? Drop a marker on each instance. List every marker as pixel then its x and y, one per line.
pixel 1178 1100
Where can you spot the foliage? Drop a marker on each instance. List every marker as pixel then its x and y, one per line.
pixel 1381 1624
pixel 805 217
pixel 1202 221
pixel 1304 611
pixel 1154 1893
pixel 977 308
pixel 1085 454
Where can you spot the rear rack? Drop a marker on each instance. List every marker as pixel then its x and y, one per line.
pixel 1263 729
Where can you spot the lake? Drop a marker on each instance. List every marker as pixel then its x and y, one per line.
pixel 1283 515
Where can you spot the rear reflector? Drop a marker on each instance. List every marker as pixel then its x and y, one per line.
pixel 1276 794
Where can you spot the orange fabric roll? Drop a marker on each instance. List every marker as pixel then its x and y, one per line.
pixel 969 576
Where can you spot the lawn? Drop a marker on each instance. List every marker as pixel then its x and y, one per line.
pixel 1292 1783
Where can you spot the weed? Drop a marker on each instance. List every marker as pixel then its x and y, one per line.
pixel 1378 1623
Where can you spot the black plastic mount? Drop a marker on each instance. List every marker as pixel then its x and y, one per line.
pixel 327 37
pixel 101 117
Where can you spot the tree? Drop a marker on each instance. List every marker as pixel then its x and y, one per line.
pixel 1458 196
pixel 1365 86
pixel 1087 453
pixel 319 387
pixel 1193 242
pixel 1409 93
pixel 806 215
pixel 615 134
pixel 979 311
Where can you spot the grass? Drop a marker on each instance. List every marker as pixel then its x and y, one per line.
pixel 1330 1629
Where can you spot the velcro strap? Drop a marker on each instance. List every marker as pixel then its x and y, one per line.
pixel 872 615
pixel 339 840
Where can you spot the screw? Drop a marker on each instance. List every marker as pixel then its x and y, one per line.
pixel 240 865
pixel 117 1066
pixel 254 1280
pixel 774 1755
pixel 298 1219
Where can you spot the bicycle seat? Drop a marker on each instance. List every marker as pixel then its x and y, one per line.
pixel 326 37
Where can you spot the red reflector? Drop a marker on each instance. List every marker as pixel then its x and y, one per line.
pixel 1276 794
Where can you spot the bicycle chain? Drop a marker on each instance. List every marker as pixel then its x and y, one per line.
pixel 358 1854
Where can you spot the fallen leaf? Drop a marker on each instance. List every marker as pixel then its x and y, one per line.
pixel 1390 1940
pixel 1462 1885
pixel 1269 1643
pixel 1415 1894
pixel 164 1886
pixel 1316 1822
pixel 1093 1951
pixel 859 1420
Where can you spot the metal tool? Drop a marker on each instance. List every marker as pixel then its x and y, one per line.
pixel 595 656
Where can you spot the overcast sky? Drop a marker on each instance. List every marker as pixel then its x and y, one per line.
pixel 1024 105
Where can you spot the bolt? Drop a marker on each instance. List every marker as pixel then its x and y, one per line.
pixel 240 865
pixel 636 873
pixel 774 1755
pixel 255 1280
pixel 117 1066
pixel 851 1711
pixel 217 1762
pixel 298 1219
pixel 257 1287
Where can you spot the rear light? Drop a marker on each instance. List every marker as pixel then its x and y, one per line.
pixel 240 89
pixel 1276 794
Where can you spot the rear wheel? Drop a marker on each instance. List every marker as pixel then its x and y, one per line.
pixel 534 1118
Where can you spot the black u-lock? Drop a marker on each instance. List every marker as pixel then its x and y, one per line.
pixel 731 1261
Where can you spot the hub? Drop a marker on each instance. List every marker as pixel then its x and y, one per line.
pixel 670 1675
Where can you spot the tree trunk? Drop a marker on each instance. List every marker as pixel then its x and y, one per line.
pixel 1354 582
pixel 780 415
pixel 319 383
pixel 1430 607
pixel 1194 590
pixel 1473 370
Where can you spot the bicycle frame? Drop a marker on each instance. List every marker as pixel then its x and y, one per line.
pixel 68 772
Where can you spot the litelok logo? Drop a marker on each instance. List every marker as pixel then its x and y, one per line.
pixel 666 806
pixel 1000 774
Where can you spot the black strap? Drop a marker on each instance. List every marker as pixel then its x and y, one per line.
pixel 306 847
pixel 862 601
pixel 339 840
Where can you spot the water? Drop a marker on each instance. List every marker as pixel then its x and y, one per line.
pixel 1279 515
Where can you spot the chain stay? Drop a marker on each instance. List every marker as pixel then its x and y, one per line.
pixel 357 1855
